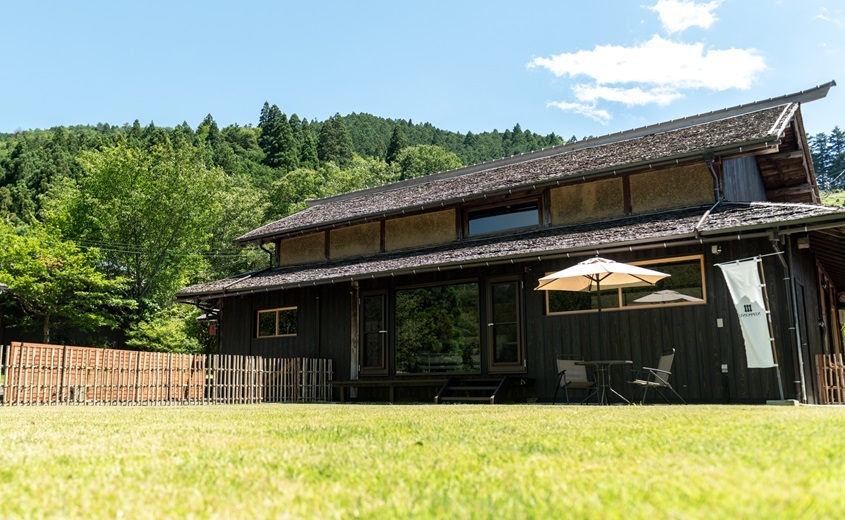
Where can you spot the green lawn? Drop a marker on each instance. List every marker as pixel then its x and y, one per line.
pixel 423 461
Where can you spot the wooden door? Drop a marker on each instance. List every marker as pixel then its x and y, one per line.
pixel 373 348
pixel 505 348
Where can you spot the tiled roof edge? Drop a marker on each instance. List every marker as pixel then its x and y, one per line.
pixel 740 231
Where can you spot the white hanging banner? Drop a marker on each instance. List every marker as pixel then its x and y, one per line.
pixel 743 280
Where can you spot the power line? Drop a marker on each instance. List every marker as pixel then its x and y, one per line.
pixel 117 248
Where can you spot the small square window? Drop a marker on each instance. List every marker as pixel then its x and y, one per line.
pixel 277 322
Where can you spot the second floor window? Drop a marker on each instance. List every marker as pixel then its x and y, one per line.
pixel 503 218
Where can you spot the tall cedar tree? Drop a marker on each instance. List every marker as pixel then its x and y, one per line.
pixel 836 168
pixel 334 143
pixel 276 139
pixel 397 142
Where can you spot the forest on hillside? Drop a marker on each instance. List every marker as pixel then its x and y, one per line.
pixel 100 225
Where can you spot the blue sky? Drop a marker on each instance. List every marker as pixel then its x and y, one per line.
pixel 585 68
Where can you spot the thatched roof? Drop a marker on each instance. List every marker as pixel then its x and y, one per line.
pixel 729 219
pixel 730 130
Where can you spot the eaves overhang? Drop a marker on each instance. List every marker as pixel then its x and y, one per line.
pixel 674 239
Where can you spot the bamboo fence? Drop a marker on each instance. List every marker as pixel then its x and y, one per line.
pixel 831 378
pixel 41 374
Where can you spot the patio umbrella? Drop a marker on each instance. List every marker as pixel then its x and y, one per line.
pixel 667 296
pixel 596 274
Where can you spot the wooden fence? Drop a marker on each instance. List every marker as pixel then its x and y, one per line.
pixel 40 374
pixel 831 378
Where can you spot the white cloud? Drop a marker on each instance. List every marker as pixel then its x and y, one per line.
pixel 823 16
pixel 655 72
pixel 662 63
pixel 679 15
pixel 591 111
pixel 629 96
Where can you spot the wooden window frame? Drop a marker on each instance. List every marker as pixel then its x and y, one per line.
pixel 276 311
pixel 644 263
pixel 537 199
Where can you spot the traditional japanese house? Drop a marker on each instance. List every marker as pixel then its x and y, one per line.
pixel 407 284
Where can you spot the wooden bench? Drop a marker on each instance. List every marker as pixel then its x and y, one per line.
pixel 391 384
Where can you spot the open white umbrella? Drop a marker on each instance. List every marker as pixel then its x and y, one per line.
pixel 596 274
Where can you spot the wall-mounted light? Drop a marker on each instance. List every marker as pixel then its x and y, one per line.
pixel 803 242
pixel 716 249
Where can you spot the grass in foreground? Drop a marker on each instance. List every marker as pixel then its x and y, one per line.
pixel 345 461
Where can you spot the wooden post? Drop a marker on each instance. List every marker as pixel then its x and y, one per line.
pixel 771 329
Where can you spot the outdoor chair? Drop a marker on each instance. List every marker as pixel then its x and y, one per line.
pixel 657 378
pixel 571 375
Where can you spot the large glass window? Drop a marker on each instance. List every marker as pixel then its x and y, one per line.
pixel 570 301
pixel 503 218
pixel 437 329
pixel 685 286
pixel 277 322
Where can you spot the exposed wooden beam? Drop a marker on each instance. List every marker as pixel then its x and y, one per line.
pixel 795 154
pixel 791 191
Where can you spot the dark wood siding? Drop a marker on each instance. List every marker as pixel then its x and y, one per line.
pixel 642 334
pixel 637 334
pixel 323 324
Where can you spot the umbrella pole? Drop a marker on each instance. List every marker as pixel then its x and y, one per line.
pixel 598 293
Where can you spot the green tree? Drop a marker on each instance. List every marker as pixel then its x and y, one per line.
pixel 151 209
pixel 55 282
pixel 334 143
pixel 308 157
pixel 174 329
pixel 415 161
pixel 290 192
pixel 397 143
pixel 821 157
pixel 836 166
pixel 276 139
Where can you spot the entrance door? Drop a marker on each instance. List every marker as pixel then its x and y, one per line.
pixel 373 349
pixel 505 349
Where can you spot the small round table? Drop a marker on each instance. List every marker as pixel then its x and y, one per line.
pixel 603 387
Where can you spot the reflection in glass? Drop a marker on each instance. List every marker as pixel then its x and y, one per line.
pixel 267 323
pixel 568 301
pixel 503 218
pixel 277 322
pixel 437 329
pixel 684 285
pixel 287 322
pixel 505 323
pixel 374 338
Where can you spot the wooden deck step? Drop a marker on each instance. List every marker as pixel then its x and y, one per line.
pixel 473 399
pixel 470 390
